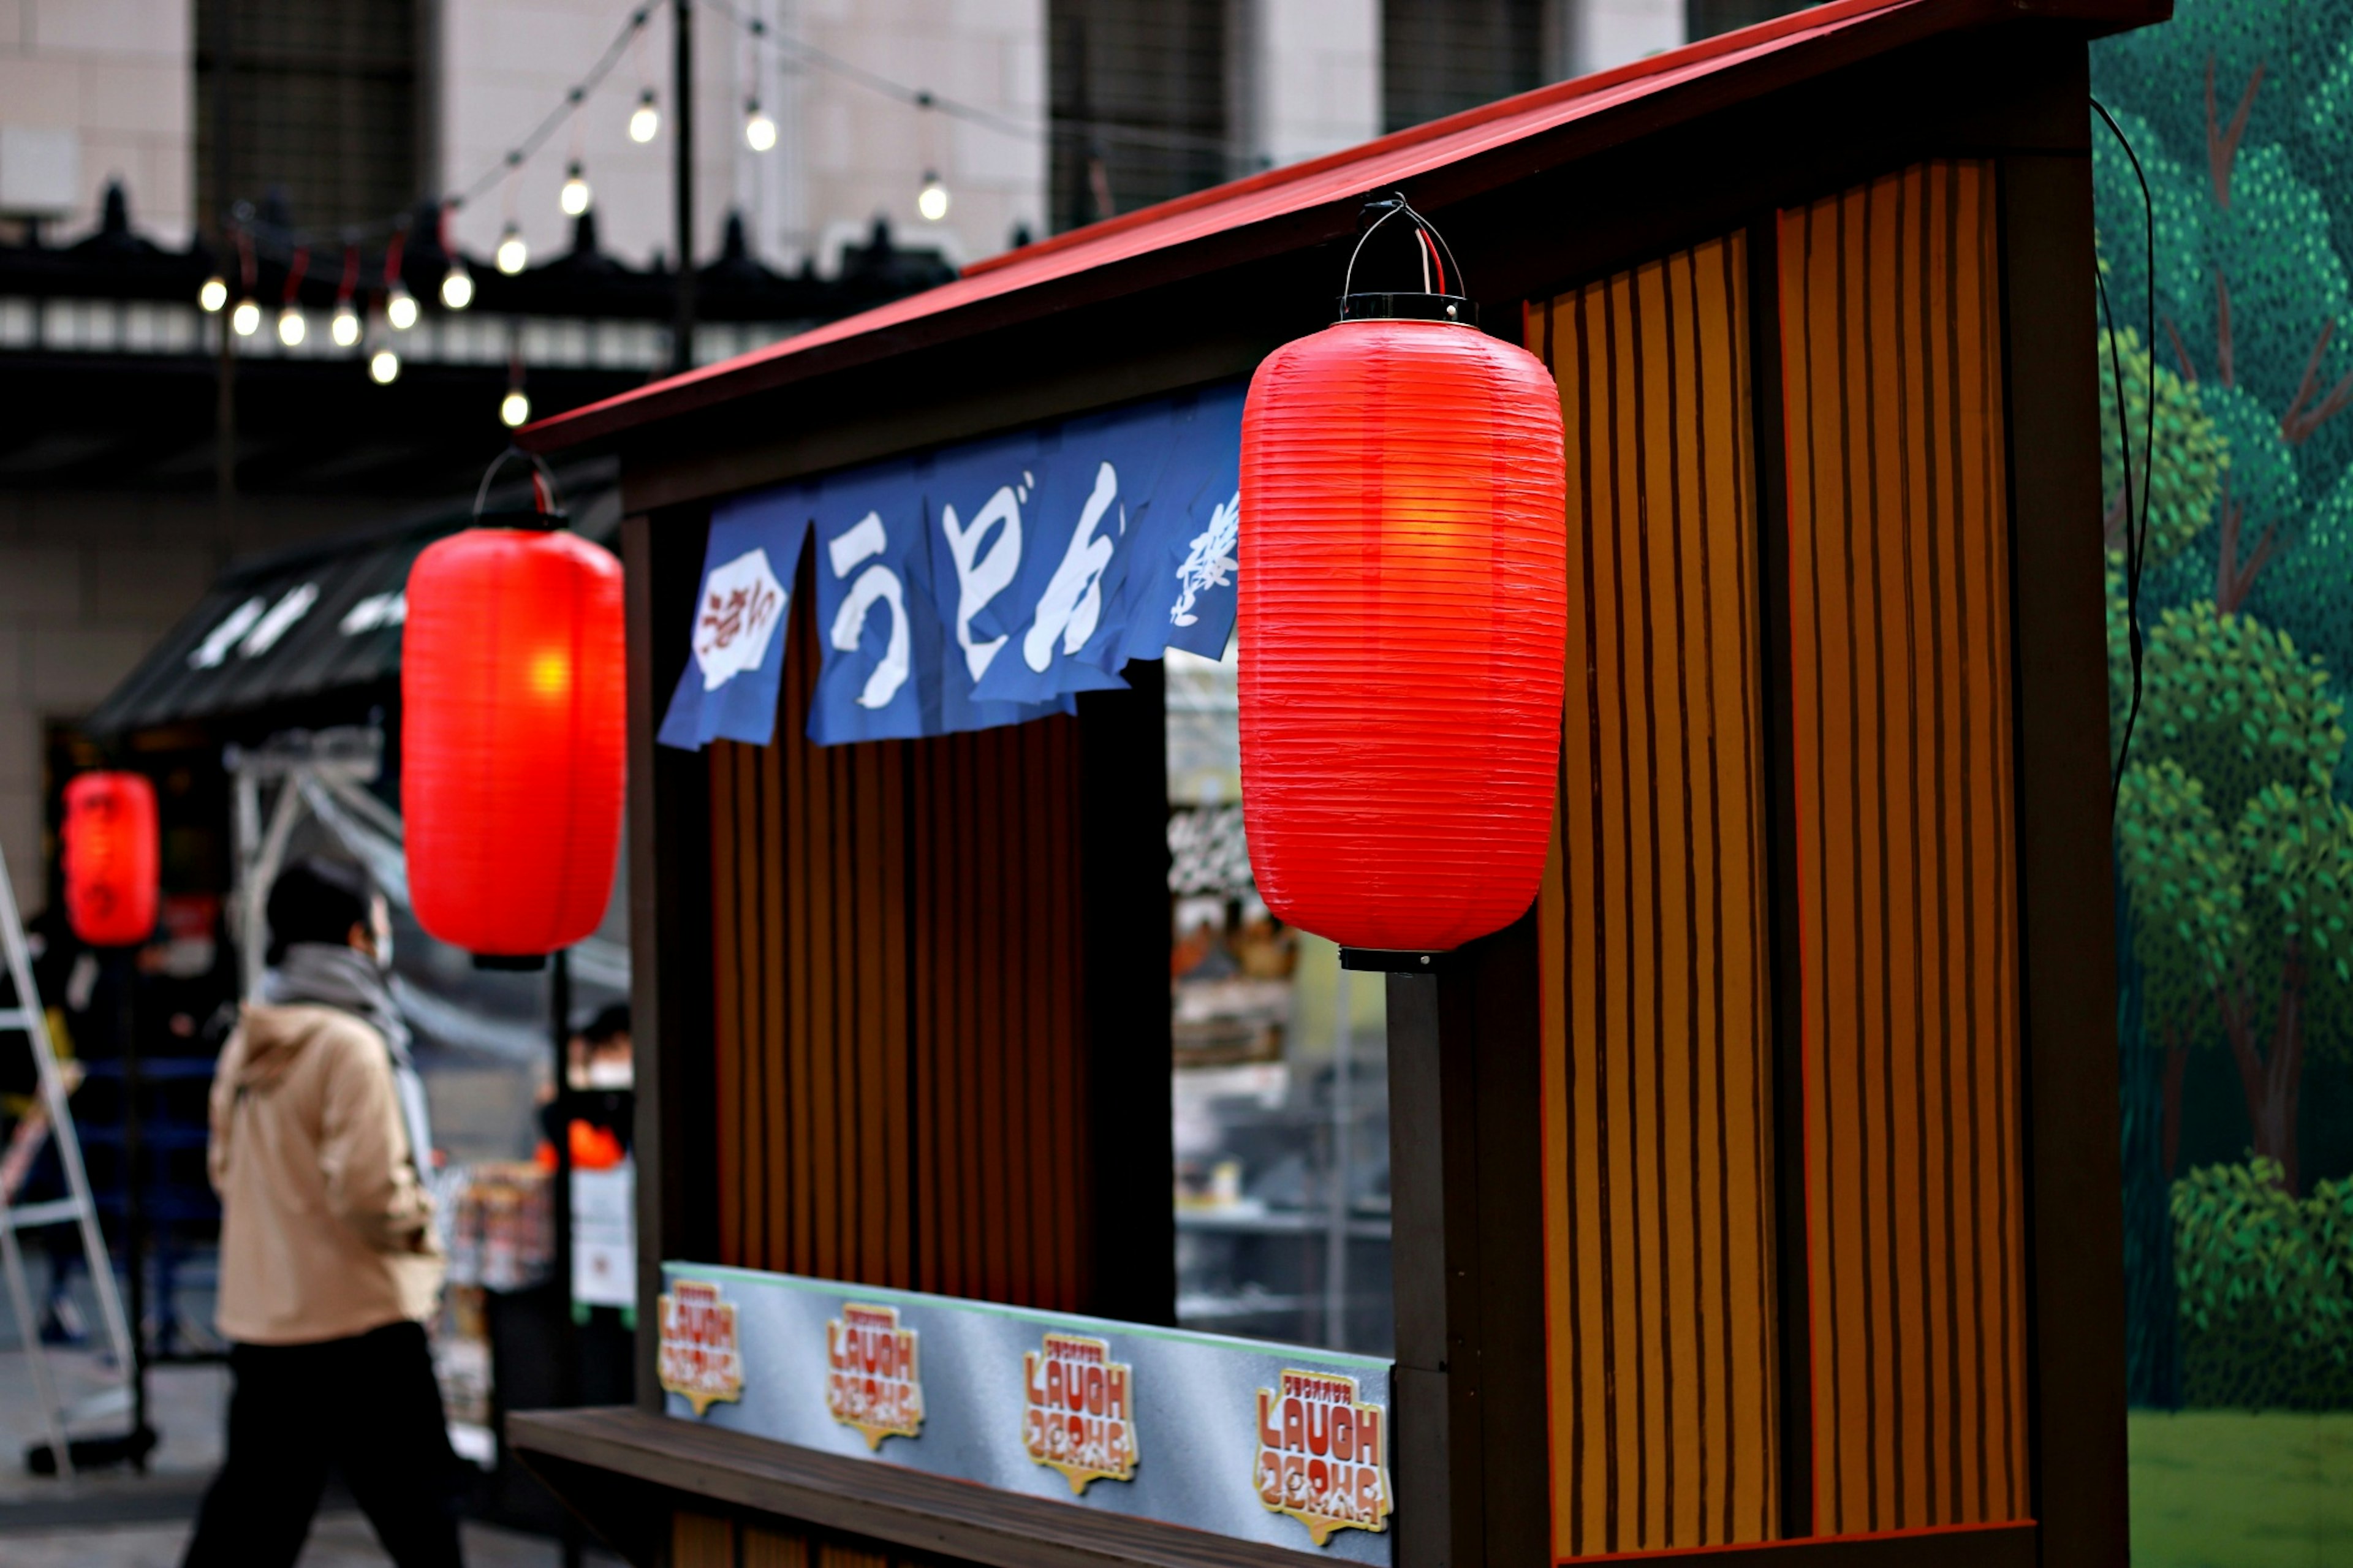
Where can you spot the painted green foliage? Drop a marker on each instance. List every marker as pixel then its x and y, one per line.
pixel 2265 1284
pixel 2236 852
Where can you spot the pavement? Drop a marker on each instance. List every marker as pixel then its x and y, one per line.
pixel 337 1541
pixel 121 1518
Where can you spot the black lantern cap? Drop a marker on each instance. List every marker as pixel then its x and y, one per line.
pixel 1434 301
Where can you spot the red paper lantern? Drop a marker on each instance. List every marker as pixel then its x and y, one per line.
pixel 112 858
pixel 513 739
pixel 1403 610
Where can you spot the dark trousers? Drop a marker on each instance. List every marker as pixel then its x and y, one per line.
pixel 368 1408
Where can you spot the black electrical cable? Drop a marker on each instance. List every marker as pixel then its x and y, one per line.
pixel 2135 528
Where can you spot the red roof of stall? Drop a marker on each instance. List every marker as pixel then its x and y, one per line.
pixel 1729 67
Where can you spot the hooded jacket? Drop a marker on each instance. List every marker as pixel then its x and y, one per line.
pixel 326 1231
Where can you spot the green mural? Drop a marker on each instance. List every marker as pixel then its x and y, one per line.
pixel 2232 340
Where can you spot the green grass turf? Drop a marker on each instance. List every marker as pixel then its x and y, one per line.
pixel 2219 1489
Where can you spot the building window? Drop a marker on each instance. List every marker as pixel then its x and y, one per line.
pixel 1140 108
pixel 322 101
pixel 1705 18
pixel 1439 56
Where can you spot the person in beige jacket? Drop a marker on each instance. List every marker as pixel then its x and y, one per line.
pixel 328 1264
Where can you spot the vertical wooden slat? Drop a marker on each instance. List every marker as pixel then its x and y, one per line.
pixel 893 1031
pixel 1653 968
pixel 798 1157
pixel 766 1088
pixel 1898 530
pixel 1074 1152
pixel 727 1033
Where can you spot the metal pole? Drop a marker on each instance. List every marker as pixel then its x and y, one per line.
pixel 681 346
pixel 569 1341
pixel 225 368
pixel 134 1209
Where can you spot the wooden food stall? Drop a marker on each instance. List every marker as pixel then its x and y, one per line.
pixel 1756 1190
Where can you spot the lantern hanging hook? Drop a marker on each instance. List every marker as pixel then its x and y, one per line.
pixel 1395 202
pixel 546 502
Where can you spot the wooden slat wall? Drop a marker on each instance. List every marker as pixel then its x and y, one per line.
pixel 710 1540
pixel 1899 582
pixel 1657 1088
pixel 898 983
pixel 1000 1103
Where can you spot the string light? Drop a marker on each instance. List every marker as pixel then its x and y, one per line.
pixel 511 256
pixel 213 294
pixel 645 120
pixel 759 131
pixel 400 309
pixel 575 196
pixel 384 366
pixel 514 408
pixel 343 327
pixel 246 319
pixel 292 327
pixel 932 201
pixel 457 286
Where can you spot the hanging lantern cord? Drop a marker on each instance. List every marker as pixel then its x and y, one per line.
pixel 1431 250
pixel 546 502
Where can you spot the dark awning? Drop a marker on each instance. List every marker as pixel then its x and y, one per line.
pixel 299 622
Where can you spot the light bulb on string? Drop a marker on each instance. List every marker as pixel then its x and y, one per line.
pixel 345 326
pixel 645 120
pixel 514 408
pixel 932 201
pixel 575 196
pixel 400 308
pixel 292 327
pixel 213 294
pixel 759 131
pixel 246 319
pixel 511 256
pixel 457 286
pixel 384 366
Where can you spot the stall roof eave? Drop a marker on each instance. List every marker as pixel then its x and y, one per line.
pixel 1314 201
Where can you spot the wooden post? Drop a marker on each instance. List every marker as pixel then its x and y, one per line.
pixel 669 927
pixel 1472 1464
pixel 2065 908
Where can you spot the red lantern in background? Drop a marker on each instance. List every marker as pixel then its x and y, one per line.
pixel 1403 614
pixel 513 739
pixel 114 859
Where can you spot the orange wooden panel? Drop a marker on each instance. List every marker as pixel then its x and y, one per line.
pixel 1899 651
pixel 1656 1080
pixel 701 1541
pixel 767 1548
pixel 899 1013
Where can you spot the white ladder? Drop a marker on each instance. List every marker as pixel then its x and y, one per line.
pixel 50 1117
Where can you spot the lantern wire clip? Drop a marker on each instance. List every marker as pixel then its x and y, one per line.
pixel 546 508
pixel 1435 302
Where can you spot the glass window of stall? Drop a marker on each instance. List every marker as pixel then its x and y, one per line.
pixel 1280 1091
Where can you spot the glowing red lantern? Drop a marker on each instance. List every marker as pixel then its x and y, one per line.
pixel 112 858
pixel 1403 611
pixel 513 739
